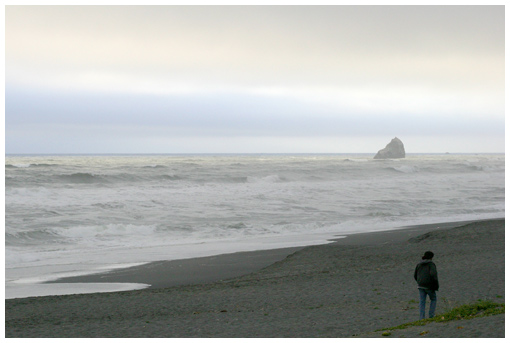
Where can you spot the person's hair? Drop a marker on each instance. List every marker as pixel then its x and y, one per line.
pixel 428 255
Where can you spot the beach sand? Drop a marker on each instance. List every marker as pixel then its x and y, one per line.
pixel 348 288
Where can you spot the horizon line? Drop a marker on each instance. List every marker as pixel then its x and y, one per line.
pixel 239 153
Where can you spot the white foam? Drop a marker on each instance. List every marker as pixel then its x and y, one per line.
pixel 18 285
pixel 406 169
pixel 48 271
pixel 38 290
pixel 55 229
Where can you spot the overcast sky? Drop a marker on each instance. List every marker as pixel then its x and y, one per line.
pixel 250 79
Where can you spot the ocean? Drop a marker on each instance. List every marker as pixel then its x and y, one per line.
pixel 82 214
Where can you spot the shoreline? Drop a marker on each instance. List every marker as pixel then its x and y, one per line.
pixel 349 288
pixel 199 270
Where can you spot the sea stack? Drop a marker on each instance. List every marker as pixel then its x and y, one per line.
pixel 394 149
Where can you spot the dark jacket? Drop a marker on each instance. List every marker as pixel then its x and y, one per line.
pixel 426 275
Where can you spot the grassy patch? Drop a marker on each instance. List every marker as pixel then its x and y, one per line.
pixel 478 309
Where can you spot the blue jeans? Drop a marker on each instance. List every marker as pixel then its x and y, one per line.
pixel 423 299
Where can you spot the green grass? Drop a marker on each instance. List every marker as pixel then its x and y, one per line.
pixel 481 308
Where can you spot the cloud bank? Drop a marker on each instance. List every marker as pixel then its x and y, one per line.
pixel 106 79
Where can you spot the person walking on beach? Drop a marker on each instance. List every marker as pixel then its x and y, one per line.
pixel 425 275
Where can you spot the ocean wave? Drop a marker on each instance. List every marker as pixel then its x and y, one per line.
pixel 31 237
pixel 267 179
pixel 239 225
pixel 81 178
pixel 29 165
pixel 361 160
pixel 170 177
pixel 155 166
pixel 447 169
pixel 108 235
pixel 90 178
pixel 182 202
pixel 486 168
pixel 382 214
pixel 114 231
pixel 470 167
pixel 18 165
pixel 109 205
pixel 405 169
pixel 223 179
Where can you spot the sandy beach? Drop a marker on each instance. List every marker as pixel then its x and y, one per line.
pixel 349 288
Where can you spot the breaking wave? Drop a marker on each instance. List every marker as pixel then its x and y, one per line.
pixel 84 206
pixel 81 178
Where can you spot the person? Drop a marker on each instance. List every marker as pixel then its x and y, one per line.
pixel 425 275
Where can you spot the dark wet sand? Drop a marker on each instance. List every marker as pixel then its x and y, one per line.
pixel 348 288
pixel 162 274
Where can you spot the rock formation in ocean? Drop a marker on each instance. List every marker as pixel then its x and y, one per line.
pixel 394 149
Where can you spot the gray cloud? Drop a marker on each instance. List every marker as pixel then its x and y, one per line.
pixel 145 76
pixel 228 114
